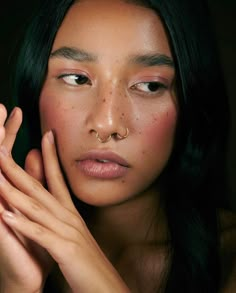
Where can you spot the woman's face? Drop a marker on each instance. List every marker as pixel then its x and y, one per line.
pixel 110 70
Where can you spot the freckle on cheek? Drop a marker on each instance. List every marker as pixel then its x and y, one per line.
pixel 104 100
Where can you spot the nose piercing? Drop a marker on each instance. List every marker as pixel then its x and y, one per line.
pixel 120 137
pixel 102 140
pixel 123 136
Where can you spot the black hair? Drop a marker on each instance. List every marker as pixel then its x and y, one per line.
pixel 195 178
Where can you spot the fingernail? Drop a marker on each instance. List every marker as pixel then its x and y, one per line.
pixel 50 137
pixel 3 150
pixel 8 215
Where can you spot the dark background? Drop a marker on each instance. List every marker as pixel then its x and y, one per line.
pixel 14 16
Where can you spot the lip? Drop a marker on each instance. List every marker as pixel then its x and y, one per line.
pixel 104 155
pixel 113 167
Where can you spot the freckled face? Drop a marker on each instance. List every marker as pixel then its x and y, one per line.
pixel 107 73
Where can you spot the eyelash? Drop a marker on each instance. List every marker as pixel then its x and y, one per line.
pixel 84 80
pixel 156 85
pixel 76 77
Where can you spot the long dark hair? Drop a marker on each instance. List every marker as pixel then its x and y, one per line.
pixel 195 178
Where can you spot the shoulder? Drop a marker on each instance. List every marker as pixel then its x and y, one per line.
pixel 227 222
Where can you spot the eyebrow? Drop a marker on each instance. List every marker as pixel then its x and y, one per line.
pixel 74 54
pixel 80 55
pixel 153 60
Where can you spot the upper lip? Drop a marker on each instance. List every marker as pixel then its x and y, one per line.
pixel 103 155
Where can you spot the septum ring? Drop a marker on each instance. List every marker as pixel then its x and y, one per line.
pixel 117 135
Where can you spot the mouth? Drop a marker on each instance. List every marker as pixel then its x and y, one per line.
pixel 102 164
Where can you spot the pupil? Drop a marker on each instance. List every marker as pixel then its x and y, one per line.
pixel 153 86
pixel 81 79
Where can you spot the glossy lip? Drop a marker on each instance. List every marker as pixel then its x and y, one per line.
pixel 104 155
pixel 114 167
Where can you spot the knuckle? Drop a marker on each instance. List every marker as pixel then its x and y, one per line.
pixel 35 206
pixel 38 231
pixel 36 186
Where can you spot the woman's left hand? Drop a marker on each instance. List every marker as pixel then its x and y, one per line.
pixel 50 219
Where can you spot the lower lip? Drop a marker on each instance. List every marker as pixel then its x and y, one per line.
pixel 96 169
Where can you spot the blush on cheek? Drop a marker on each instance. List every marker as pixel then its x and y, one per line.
pixel 50 114
pixel 161 129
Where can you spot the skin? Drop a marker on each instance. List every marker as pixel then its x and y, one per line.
pixel 35 218
pixel 109 103
pixel 119 93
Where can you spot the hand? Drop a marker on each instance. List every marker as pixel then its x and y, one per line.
pixel 49 218
pixel 20 270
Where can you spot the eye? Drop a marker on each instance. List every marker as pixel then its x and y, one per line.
pixel 149 87
pixel 75 79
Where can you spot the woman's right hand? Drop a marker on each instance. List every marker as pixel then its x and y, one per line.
pixel 23 264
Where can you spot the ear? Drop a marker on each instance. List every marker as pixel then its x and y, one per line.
pixel 34 165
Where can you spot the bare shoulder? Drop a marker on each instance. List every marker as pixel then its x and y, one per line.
pixel 228 250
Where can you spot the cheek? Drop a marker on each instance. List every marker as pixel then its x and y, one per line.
pixel 53 115
pixel 48 115
pixel 159 131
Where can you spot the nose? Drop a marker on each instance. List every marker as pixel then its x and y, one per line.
pixel 109 118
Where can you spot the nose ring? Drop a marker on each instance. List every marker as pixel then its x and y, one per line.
pixel 102 140
pixel 120 137
pixel 123 136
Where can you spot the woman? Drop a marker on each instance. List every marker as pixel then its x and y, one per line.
pixel 127 96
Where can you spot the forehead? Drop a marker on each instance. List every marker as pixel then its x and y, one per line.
pixel 113 25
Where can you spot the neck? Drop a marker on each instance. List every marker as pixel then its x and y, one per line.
pixel 139 221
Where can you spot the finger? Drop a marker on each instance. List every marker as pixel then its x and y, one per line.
pixel 5 207
pixel 26 194
pixel 34 165
pixel 35 232
pixel 3 116
pixel 2 133
pixel 54 177
pixel 26 184
pixel 12 126
pixel 31 209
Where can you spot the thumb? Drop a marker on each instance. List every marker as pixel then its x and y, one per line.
pixel 34 165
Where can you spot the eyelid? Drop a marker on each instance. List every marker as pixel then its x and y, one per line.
pixel 68 74
pixel 146 79
pixel 73 72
